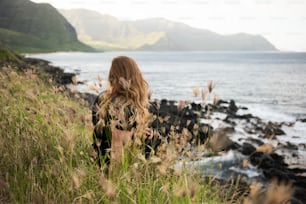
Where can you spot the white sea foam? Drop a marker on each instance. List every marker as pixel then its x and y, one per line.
pixel 266 113
pixel 223 167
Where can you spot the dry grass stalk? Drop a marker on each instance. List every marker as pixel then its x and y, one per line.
pixel 276 193
pixel 158 105
pixel 76 182
pixel 32 94
pixel 142 158
pixel 196 91
pixel 245 163
pixel 155 159
pixel 220 140
pixel 216 100
pixel 93 88
pixel 165 188
pixel 100 83
pixel 162 169
pixel 193 189
pixel 210 86
pixel 180 105
pixel 107 185
pixel 204 95
pixel 74 80
pixel 266 148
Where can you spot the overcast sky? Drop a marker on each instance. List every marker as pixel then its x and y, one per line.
pixel 282 22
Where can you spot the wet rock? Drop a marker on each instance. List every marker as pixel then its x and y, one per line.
pixel 276 174
pixel 244 108
pixel 302 145
pixel 247 149
pixel 187 118
pixel 232 108
pixel 291 146
pixel 205 131
pixel 256 141
pixel 220 102
pixel 57 73
pixel 246 117
pixel 271 130
pixel 196 107
pixel 303 120
pixel 229 121
pixel 216 108
pixel 274 167
pixel 267 161
pixel 279 131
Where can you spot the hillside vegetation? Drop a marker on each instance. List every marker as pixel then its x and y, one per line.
pixel 47 157
pixel 105 32
pixel 30 27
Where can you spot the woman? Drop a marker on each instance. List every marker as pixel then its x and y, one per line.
pixel 120 109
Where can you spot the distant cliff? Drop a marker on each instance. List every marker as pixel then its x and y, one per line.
pixel 30 27
pixel 105 32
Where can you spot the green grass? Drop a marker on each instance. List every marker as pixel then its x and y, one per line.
pixel 24 43
pixel 47 157
pixel 7 55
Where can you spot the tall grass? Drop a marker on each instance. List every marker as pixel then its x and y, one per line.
pixel 47 157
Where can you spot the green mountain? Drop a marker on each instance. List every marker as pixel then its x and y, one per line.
pixel 105 32
pixel 30 27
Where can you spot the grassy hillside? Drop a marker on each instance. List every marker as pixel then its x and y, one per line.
pixel 21 42
pixel 47 157
pixel 7 55
pixel 30 27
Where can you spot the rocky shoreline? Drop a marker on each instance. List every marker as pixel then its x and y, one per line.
pixel 257 139
pixel 266 157
pixel 60 77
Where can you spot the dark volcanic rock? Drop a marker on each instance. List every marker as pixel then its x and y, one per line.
pixel 302 120
pixel 272 129
pixel 196 107
pixel 247 149
pixel 232 108
pixel 256 141
pixel 167 115
pixel 56 73
pixel 291 146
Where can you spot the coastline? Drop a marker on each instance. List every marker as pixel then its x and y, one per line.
pixel 250 79
pixel 61 77
pixel 272 164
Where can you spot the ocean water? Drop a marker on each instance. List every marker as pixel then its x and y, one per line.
pixel 271 84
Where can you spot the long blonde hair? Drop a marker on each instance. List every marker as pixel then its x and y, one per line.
pixel 126 87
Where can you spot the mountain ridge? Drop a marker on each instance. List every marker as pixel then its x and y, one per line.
pixel 36 27
pixel 106 32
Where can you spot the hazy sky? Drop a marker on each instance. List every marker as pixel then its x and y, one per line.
pixel 282 22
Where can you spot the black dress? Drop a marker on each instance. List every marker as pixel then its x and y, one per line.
pixel 102 135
